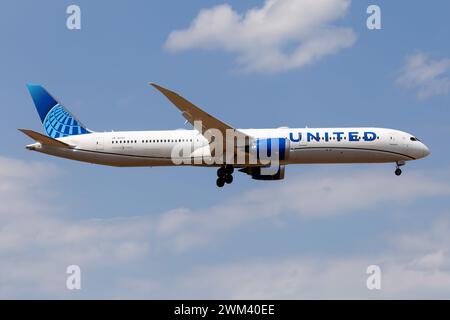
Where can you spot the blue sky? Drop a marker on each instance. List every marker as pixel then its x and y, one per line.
pixel 169 232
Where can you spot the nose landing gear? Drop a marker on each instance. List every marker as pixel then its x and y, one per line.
pixel 398 171
pixel 224 175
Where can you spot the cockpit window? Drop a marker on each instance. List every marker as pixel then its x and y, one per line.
pixel 414 139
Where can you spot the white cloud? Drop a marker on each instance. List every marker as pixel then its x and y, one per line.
pixel 409 270
pixel 319 277
pixel 280 35
pixel 19 179
pixel 38 240
pixel 301 196
pixel 427 77
pixel 37 243
pixel 416 264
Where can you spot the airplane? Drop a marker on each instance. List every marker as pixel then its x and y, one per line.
pixel 67 137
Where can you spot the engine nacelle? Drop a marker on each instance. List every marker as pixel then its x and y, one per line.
pixel 265 173
pixel 275 149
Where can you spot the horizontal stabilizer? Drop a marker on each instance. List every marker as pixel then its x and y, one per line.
pixel 45 140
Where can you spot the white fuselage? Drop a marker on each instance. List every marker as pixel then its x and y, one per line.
pixel 306 145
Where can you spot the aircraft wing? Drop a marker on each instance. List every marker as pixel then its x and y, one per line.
pixel 193 113
pixel 45 140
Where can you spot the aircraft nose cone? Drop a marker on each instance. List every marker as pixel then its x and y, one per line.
pixel 425 151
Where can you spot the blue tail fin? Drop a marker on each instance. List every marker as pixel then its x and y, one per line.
pixel 57 121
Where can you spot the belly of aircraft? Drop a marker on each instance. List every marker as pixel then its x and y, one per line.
pixel 344 155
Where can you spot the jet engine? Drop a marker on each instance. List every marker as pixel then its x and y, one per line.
pixel 275 149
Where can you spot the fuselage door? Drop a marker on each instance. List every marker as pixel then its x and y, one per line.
pixel 392 139
pixel 99 140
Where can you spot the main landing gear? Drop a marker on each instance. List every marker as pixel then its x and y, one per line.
pixel 398 171
pixel 224 175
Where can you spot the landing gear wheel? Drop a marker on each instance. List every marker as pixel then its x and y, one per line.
pixel 224 175
pixel 228 179
pixel 229 169
pixel 221 172
pixel 398 171
pixel 220 182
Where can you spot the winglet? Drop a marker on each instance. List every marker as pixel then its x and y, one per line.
pixel 162 89
pixel 181 103
pixel 45 140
